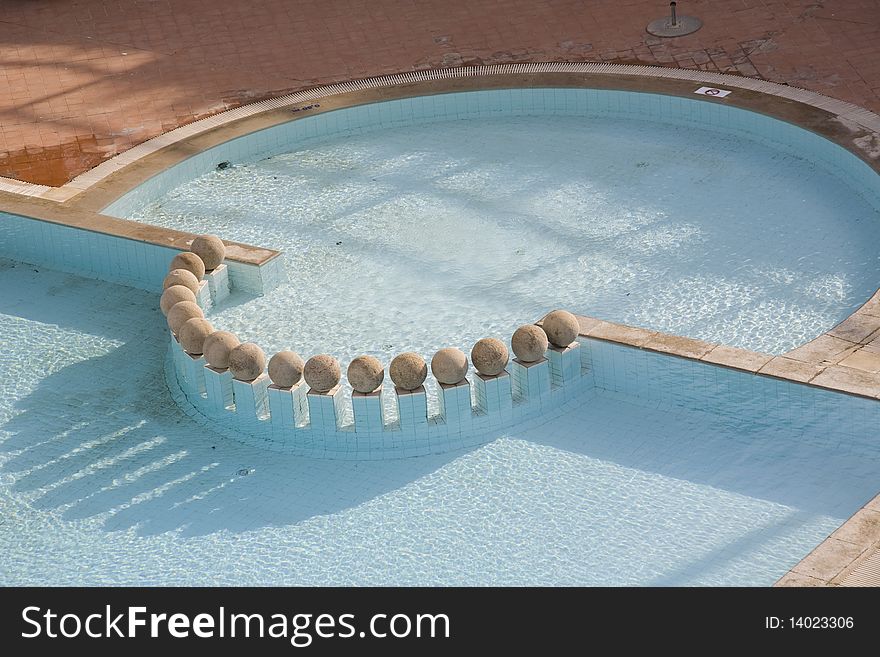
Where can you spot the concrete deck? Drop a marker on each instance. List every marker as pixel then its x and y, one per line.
pixel 85 80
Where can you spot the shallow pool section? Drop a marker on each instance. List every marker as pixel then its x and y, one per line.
pixel 407 232
pixel 104 481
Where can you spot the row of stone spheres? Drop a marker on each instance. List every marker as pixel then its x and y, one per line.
pixel 246 361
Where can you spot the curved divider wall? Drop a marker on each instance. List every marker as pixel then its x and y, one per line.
pixel 303 421
pixel 595 364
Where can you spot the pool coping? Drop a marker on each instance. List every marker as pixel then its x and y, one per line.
pixel 774 99
pixel 810 364
pixel 842 559
pixel 844 359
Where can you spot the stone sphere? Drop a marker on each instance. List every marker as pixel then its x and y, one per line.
pixel 189 261
pixel 193 334
pixel 322 373
pixel 449 365
pixel 210 249
pixel 286 368
pixel 181 277
pixel 529 343
pixel 490 356
pixel 365 374
pixel 175 294
pixel 408 370
pixel 180 312
pixel 561 327
pixel 246 361
pixel 217 348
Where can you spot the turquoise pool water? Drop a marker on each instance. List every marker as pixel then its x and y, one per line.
pixel 104 481
pixel 420 235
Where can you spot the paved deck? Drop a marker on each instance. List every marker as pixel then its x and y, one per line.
pixel 85 80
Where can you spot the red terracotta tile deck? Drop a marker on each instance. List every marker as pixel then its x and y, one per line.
pixel 83 80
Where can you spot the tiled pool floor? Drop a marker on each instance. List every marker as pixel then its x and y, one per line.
pixel 104 481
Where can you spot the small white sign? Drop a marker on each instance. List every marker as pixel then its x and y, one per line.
pixel 712 91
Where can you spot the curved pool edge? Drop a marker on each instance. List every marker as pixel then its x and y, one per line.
pixel 848 125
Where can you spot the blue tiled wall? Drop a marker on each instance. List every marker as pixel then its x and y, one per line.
pixel 77 251
pixel 110 258
pixel 745 400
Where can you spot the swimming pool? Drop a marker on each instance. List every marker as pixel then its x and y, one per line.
pixel 664 471
pixel 406 229
pixel 104 481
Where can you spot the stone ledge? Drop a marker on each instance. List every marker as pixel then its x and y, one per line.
pixel 847 379
pixel 792 579
pixel 798 366
pixel 620 333
pixel 865 360
pixel 782 367
pixel 826 349
pixel 872 306
pixel 679 346
pixel 858 327
pixel 841 552
pixel 863 529
pixel 739 359
pixel 828 560
pixel 46 211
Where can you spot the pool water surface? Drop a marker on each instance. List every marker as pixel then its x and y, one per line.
pixel 104 481
pixel 439 234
